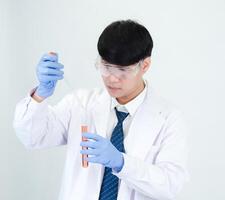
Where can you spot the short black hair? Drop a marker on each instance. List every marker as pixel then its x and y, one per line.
pixel 125 42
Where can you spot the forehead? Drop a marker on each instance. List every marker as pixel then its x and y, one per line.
pixel 114 65
pixel 102 60
pixel 106 62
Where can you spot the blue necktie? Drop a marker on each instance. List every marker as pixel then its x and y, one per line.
pixel 109 188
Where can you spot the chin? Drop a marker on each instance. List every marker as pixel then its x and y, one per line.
pixel 115 94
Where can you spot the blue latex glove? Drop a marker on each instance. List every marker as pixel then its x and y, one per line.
pixel 48 73
pixel 102 151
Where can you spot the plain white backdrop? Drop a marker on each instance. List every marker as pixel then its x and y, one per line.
pixel 188 68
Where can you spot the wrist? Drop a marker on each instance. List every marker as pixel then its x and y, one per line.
pixel 36 97
pixel 43 92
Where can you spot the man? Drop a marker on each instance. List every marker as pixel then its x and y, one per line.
pixel 136 143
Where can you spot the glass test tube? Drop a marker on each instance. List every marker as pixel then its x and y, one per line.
pixel 84 128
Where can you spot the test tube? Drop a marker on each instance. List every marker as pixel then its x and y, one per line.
pixel 84 129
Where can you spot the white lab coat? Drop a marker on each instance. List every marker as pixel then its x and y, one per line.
pixel 155 147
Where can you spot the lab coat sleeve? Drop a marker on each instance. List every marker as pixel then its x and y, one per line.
pixel 162 178
pixel 39 125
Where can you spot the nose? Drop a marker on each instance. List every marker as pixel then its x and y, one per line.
pixel 112 78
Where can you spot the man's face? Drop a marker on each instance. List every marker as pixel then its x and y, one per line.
pixel 125 89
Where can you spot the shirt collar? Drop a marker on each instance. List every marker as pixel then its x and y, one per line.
pixel 132 106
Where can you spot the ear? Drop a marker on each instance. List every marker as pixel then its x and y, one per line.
pixel 146 64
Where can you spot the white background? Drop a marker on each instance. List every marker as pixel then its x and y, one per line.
pixel 187 68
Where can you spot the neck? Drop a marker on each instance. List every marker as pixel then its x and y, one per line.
pixel 135 93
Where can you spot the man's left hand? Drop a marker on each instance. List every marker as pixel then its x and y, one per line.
pixel 102 151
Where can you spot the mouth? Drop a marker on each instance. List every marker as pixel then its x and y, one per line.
pixel 112 88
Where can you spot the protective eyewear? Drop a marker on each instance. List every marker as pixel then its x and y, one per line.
pixel 121 72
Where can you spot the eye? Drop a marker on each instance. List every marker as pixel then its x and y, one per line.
pixel 122 69
pixel 106 67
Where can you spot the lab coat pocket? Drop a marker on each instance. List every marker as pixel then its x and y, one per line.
pixel 152 154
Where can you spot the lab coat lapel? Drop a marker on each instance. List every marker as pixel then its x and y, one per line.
pixel 145 127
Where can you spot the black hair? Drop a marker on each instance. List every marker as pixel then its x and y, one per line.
pixel 124 43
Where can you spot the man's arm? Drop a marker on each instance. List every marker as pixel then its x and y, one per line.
pixel 39 125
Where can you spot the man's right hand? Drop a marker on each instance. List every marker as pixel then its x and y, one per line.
pixel 48 73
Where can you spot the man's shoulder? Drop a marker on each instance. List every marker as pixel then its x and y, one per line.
pixel 163 105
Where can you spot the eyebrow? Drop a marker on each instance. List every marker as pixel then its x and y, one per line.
pixel 107 63
pixel 117 66
pixel 104 61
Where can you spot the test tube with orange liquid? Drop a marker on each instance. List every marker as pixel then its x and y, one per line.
pixel 84 129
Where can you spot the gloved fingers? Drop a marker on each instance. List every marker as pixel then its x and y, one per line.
pixel 92 159
pixel 46 78
pixel 50 71
pixel 89 152
pixel 49 57
pixel 89 144
pixel 98 159
pixel 92 136
pixel 50 64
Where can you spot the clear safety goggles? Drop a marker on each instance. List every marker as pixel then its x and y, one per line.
pixel 121 72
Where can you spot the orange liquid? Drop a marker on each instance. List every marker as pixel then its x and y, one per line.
pixel 84 129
